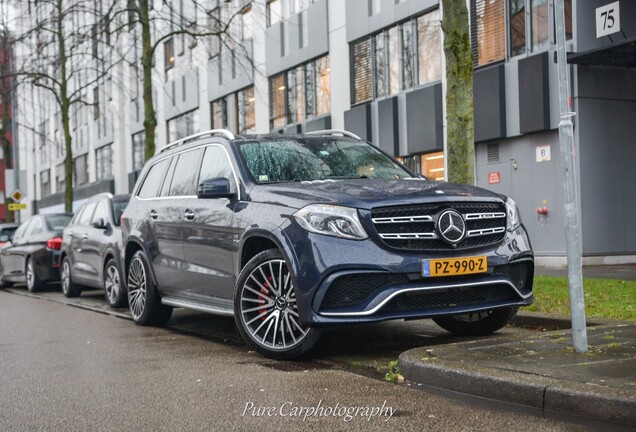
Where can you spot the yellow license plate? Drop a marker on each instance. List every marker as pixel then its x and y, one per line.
pixel 454 266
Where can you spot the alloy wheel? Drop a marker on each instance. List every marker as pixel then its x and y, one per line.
pixel 30 275
pixel 112 284
pixel 268 307
pixel 66 276
pixel 137 286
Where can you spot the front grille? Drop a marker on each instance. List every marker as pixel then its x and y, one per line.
pixel 413 227
pixel 350 290
pixel 453 297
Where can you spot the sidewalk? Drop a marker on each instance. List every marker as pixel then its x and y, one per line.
pixel 619 272
pixel 541 371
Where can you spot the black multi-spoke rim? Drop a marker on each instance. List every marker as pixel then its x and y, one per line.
pixel 268 307
pixel 112 283
pixel 66 276
pixel 137 287
pixel 473 316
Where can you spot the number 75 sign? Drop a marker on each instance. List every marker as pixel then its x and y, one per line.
pixel 608 19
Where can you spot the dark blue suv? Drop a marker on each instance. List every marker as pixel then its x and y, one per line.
pixel 290 234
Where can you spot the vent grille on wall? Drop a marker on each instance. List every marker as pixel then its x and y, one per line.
pixel 493 152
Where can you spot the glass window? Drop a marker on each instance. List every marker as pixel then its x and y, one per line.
pixel 429 48
pixel 184 125
pixel 81 170
pixel 214 23
pixel 215 164
pixel 153 180
pixel 219 114
pixel 323 86
pixel 490 36
pixel 104 162
pixel 277 111
pixel 274 12
pixel 168 54
pixel 247 23
pixel 362 85
pixel 517 29
pixel 433 165
pixel 303 32
pixel 57 222
pixel 393 61
pixel 119 205
pixel 380 68
pixel 184 182
pixel 407 55
pixel 45 183
pixel 101 212
pixel 540 27
pixel 246 111
pixel 22 229
pixel 296 95
pixel 374 7
pixel 165 188
pixel 87 214
pixel 139 150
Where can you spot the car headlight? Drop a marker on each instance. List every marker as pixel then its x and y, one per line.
pixel 514 219
pixel 331 220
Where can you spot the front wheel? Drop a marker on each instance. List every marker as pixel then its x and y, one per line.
pixel 265 309
pixel 477 323
pixel 143 298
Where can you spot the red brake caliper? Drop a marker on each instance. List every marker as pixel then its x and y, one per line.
pixel 263 299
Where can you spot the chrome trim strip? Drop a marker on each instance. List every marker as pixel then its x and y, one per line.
pixel 427 288
pixel 473 216
pixel 485 231
pixel 219 132
pixel 197 306
pixel 335 132
pixel 406 236
pixel 401 219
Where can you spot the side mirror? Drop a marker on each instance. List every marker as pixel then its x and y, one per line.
pixel 215 188
pixel 99 224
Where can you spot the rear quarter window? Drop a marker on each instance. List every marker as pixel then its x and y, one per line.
pixel 58 222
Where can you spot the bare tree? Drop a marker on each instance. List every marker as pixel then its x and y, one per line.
pixel 163 22
pixel 6 101
pixel 64 50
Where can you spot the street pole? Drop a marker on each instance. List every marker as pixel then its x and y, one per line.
pixel 571 204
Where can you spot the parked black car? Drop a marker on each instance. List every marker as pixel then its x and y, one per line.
pixel 91 249
pixel 6 232
pixel 34 252
pixel 289 234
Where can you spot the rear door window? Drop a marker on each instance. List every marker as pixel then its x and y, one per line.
pixel 153 180
pixel 165 189
pixel 184 181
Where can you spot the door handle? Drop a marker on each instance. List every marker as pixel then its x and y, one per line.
pixel 189 214
pixel 85 236
pixel 153 214
pixel 70 233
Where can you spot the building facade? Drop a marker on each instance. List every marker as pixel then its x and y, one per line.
pixel 376 68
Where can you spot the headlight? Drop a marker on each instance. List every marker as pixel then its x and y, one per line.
pixel 514 219
pixel 331 220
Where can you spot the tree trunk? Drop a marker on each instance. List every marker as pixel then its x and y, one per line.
pixel 65 108
pixel 459 92
pixel 150 117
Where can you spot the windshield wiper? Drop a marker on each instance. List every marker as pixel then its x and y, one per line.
pixel 348 177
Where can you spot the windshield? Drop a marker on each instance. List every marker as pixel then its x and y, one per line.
pixel 317 159
pixel 58 222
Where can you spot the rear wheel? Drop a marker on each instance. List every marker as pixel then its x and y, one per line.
pixel 143 298
pixel 113 291
pixel 477 323
pixel 69 288
pixel 265 309
pixel 33 282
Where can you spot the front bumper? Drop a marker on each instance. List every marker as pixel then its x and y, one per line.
pixel 341 281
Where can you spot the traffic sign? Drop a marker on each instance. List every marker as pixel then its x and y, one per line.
pixel 16 206
pixel 17 195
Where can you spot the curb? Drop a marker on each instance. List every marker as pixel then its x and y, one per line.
pixel 549 394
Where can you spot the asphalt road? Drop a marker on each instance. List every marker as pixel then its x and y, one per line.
pixel 66 368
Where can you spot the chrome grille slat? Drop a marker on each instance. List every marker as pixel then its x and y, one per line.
pixel 403 219
pixel 486 231
pixel 479 216
pixel 406 236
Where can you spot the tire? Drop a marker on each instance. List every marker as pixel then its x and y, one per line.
pixel 143 298
pixel 477 323
pixel 69 288
pixel 34 283
pixel 113 290
pixel 265 297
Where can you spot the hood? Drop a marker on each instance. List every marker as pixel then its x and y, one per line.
pixel 367 193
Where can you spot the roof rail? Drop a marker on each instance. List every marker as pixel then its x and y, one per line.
pixel 334 132
pixel 222 132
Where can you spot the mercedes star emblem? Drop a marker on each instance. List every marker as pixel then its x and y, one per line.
pixel 451 227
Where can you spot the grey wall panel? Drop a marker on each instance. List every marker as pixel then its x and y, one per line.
pixel 489 97
pixel 294 129
pixel 388 133
pixel 182 94
pixel 360 24
pixel 531 184
pixel 586 23
pixel 79 193
pixel 317 45
pixel 220 80
pixel 358 121
pixel 424 119
pixel 534 94
pixel 317 124
pixel 512 98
